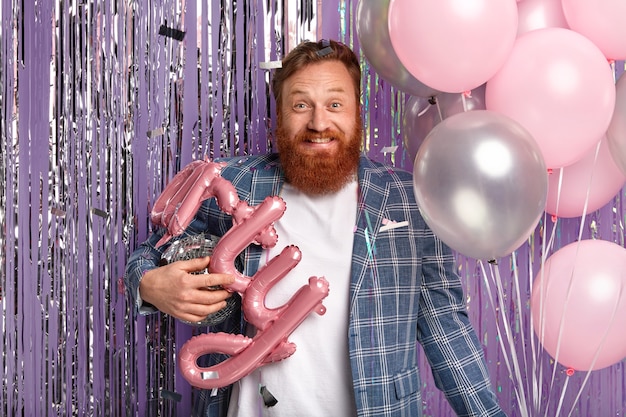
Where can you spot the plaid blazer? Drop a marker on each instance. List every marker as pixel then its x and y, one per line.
pixel 403 290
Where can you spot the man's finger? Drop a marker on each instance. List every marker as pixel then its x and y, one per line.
pixel 195 264
pixel 212 280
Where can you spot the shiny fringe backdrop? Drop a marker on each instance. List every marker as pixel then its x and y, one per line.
pixel 102 103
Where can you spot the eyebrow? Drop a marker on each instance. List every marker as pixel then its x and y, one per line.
pixel 330 90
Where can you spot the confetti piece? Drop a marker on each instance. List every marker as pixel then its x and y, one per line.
pixel 57 212
pixel 155 132
pixel 268 399
pixel 176 34
pixel 389 149
pixel 100 213
pixel 270 64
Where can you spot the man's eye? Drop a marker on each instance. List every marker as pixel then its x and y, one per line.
pixel 335 105
pixel 300 106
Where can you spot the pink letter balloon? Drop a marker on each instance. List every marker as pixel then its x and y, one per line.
pixel 578 305
pixel 558 85
pixel 480 183
pixel 174 210
pixel 373 33
pixel 616 134
pixel 452 45
pixel 602 21
pixel 591 180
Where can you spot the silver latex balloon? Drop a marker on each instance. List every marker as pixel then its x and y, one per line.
pixel 481 183
pixel 616 133
pixel 422 114
pixel 372 29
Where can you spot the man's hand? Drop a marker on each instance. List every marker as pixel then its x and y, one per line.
pixel 174 290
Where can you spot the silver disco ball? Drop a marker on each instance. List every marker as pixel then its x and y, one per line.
pixel 198 246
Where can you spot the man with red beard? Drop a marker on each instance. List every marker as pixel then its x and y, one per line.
pixel 356 222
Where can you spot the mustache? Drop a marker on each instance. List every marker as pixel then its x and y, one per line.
pixel 311 134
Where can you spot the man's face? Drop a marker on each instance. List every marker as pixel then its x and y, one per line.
pixel 319 128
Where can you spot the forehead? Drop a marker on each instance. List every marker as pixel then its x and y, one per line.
pixel 327 76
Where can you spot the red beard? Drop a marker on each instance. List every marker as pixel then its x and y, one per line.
pixel 323 173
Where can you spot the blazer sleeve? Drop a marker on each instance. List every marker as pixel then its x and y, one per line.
pixel 448 338
pixel 147 256
pixel 143 259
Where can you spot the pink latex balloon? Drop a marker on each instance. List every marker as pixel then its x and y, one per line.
pixel 616 133
pixel 602 21
pixel 578 305
pixel 595 180
pixel 558 85
pixel 540 14
pixel 450 45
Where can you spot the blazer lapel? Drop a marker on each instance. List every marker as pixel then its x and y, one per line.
pixel 373 195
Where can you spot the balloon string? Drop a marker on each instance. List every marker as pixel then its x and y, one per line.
pixel 600 347
pixel 589 184
pixel 520 316
pixel 582 221
pixel 520 396
pixel 546 248
pixel 562 319
pixel 571 280
pixel 537 371
pixel 439 111
pixel 563 391
pixel 425 109
pixel 558 190
pixel 612 65
pixel 464 101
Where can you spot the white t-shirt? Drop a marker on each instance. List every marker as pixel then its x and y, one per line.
pixel 316 380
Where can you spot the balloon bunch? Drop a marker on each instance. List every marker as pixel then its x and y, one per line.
pixel 544 64
pixel 547 137
pixel 174 210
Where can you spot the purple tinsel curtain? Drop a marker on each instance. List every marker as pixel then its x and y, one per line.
pixel 102 103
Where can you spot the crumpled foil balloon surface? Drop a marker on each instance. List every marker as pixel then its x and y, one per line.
pixel 102 103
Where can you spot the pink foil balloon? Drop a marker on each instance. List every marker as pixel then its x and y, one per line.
pixel 174 210
pixel 451 45
pixel 270 343
pixel 558 85
pixel 592 180
pixel 181 199
pixel 602 21
pixel 540 14
pixel 578 305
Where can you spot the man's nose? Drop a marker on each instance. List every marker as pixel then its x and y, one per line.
pixel 319 121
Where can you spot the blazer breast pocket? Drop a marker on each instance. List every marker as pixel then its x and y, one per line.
pixel 392 224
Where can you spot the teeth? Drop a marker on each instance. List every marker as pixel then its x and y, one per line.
pixel 320 140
